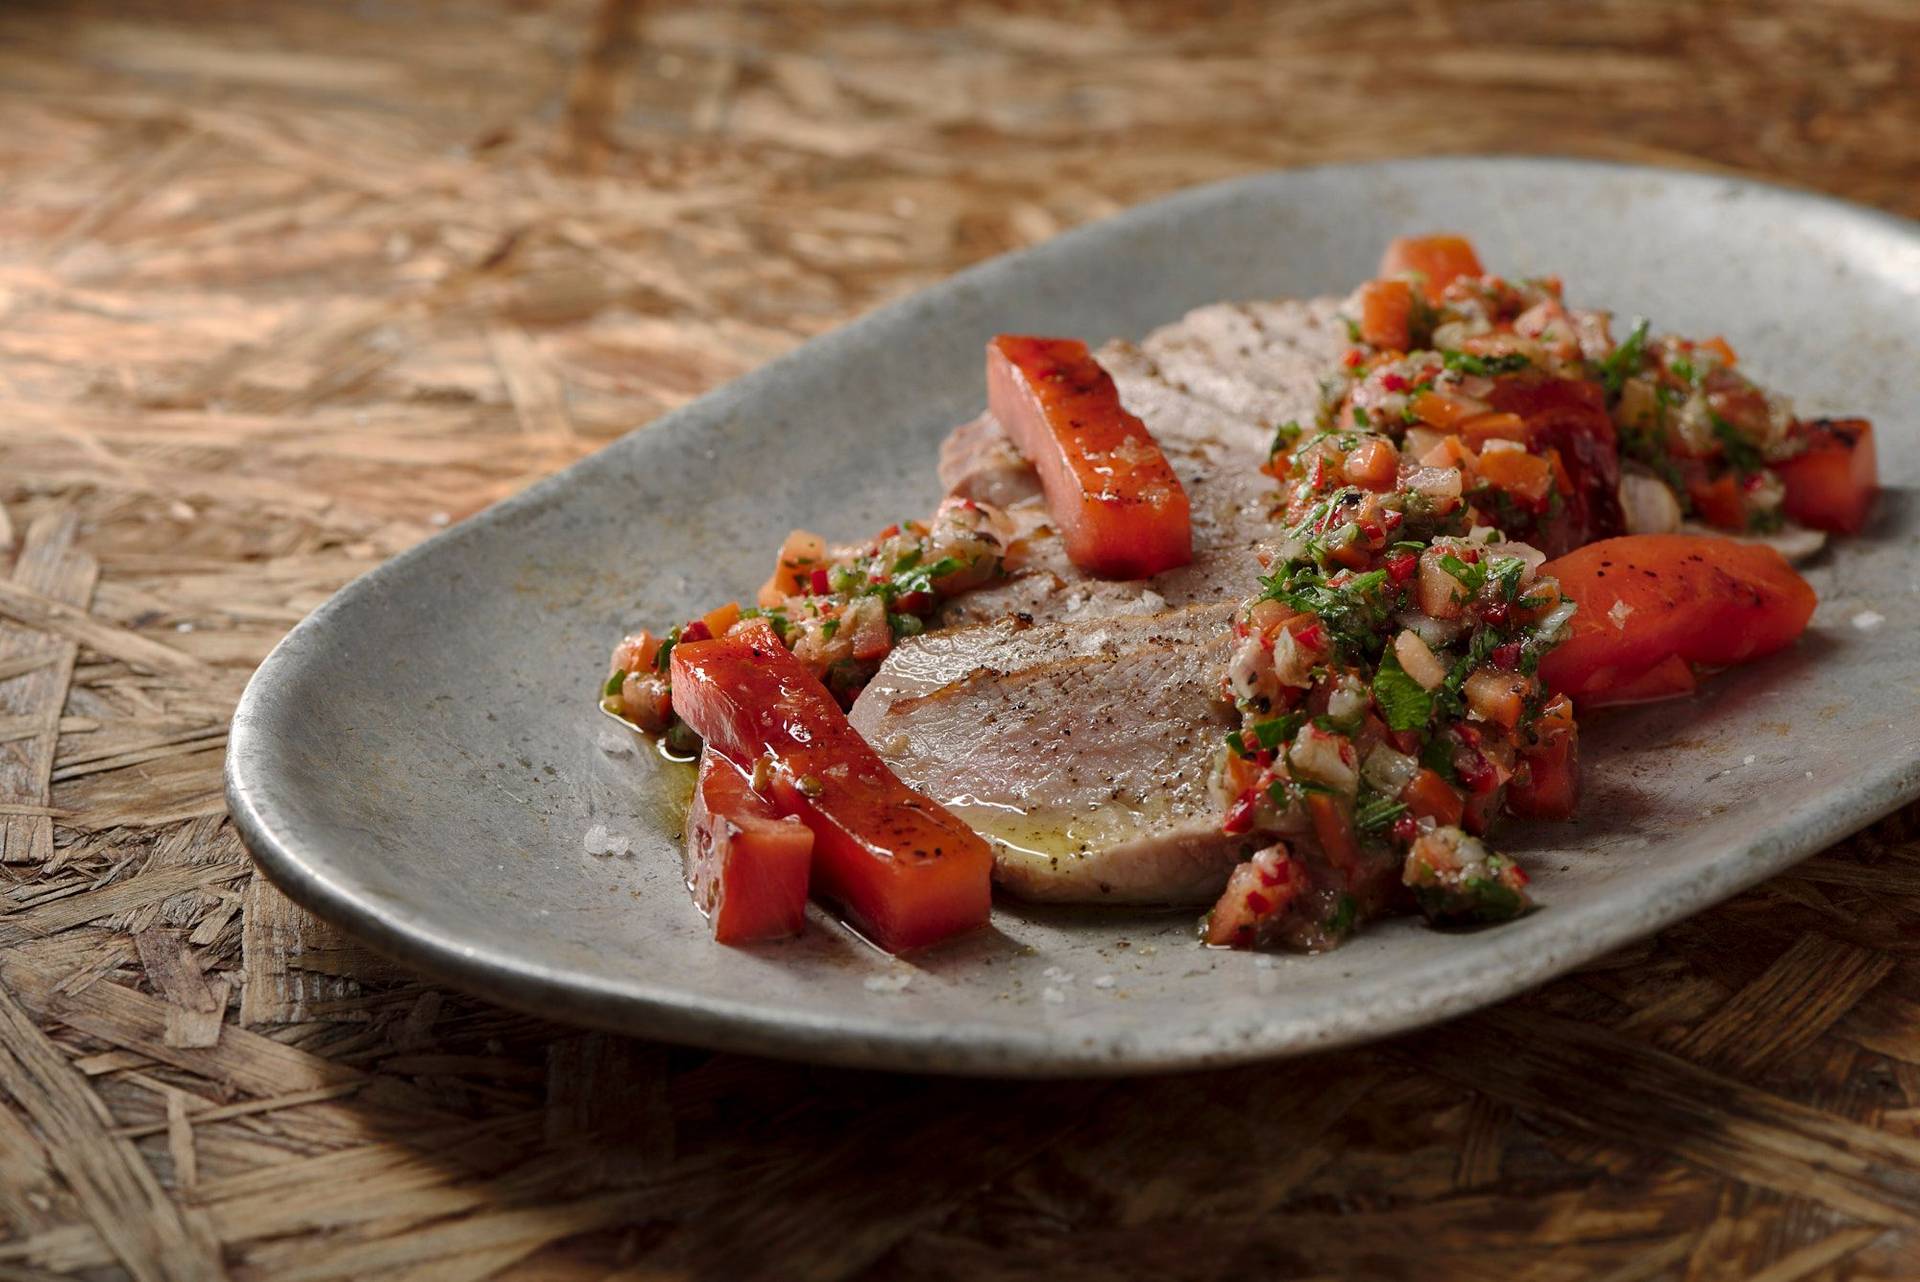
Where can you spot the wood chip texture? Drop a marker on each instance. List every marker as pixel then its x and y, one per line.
pixel 286 288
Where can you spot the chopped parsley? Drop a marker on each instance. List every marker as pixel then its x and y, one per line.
pixel 1624 359
pixel 1344 913
pixel 1285 437
pixel 1353 611
pixel 1740 452
pixel 1404 703
pixel 1374 813
pixel 1267 735
pixel 1485 366
pixel 1471 577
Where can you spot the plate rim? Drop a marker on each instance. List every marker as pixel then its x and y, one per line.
pixel 868 1040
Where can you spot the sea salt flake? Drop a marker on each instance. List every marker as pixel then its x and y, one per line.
pixel 1749 760
pixel 597 840
pixel 1104 981
pixel 894 983
pixel 1057 975
pixel 1868 620
pixel 1619 613
pixel 1053 995
pixel 1264 963
pixel 619 845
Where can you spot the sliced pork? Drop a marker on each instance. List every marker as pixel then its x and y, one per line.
pixel 1082 749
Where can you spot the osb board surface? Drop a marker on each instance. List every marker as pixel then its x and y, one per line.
pixel 287 287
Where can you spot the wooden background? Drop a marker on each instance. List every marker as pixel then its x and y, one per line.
pixel 286 287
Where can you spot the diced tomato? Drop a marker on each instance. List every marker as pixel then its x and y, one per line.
pixel 1386 314
pixel 1569 416
pixel 793 572
pixel 746 864
pixel 1647 598
pixel 1450 452
pixel 1719 502
pixel 1333 826
pixel 1373 464
pixel 1496 696
pixel 1258 893
pixel 636 652
pixel 1428 796
pixel 1439 260
pixel 871 636
pixel 1830 486
pixel 1446 409
pixel 1481 428
pixel 1528 477
pixel 720 619
pixel 1119 506
pixel 1547 785
pixel 905 869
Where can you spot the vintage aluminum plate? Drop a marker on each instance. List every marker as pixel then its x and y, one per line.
pixel 419 760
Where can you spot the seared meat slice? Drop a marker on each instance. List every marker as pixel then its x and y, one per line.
pixel 1261 362
pixel 978 461
pixel 1081 750
pixel 1075 722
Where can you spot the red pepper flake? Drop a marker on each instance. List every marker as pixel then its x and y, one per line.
pixel 1258 902
pixel 1496 613
pixel 1507 657
pixel 1401 566
pixel 889 532
pixel 1313 636
pixel 1353 358
pixel 915 602
pixel 1240 815
pixel 696 631
pixel 818 580
pixel 1519 876
pixel 1406 828
pixel 1394 383
pixel 1391 519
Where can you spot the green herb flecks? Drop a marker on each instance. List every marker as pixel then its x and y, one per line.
pixel 1404 703
pixel 1625 359
pixel 1485 366
pixel 1741 453
pixel 1375 813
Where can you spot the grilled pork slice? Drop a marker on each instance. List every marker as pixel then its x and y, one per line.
pixel 1080 750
